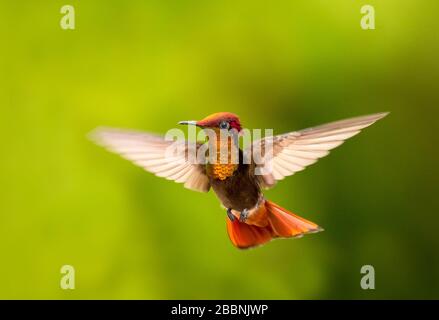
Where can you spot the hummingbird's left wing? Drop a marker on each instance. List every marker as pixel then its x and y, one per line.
pixel 168 159
pixel 293 151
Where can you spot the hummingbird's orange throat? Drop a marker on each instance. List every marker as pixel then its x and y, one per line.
pixel 224 162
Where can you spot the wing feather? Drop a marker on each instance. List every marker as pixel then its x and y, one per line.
pixel 293 151
pixel 150 152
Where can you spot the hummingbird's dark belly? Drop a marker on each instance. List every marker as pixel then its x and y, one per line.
pixel 239 191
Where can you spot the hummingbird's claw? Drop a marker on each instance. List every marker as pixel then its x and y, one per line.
pixel 243 216
pixel 230 214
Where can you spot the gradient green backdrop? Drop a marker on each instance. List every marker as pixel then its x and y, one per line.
pixel 278 64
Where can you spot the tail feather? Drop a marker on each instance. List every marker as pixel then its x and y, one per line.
pixel 280 224
pixel 286 224
pixel 245 235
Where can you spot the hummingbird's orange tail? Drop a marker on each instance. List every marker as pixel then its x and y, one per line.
pixel 279 223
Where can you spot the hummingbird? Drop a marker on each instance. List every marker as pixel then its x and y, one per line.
pixel 251 219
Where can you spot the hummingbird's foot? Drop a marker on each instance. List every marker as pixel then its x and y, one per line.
pixel 230 214
pixel 244 215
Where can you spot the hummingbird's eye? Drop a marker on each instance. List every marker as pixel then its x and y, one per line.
pixel 224 125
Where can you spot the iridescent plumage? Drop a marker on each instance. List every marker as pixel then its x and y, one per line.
pixel 252 220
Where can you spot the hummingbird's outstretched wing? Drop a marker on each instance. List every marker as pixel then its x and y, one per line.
pixel 168 159
pixel 296 150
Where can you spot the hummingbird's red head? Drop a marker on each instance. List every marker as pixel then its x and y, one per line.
pixel 221 120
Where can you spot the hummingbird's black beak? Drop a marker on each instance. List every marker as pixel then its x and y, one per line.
pixel 189 123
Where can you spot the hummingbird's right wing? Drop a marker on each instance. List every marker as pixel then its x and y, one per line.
pixel 293 151
pixel 168 159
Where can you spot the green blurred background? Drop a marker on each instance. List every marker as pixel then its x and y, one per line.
pixel 281 64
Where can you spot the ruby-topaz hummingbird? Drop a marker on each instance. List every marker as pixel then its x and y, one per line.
pixel 235 178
